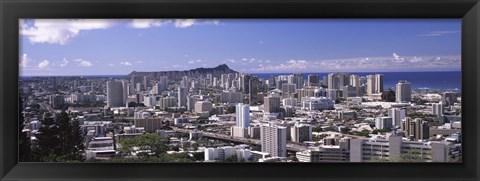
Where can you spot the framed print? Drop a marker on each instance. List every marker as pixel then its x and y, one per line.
pixel 124 90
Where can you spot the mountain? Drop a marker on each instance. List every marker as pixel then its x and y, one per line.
pixel 216 71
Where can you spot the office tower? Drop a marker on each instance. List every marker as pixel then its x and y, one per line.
pixel 313 80
pixel 355 82
pixel 383 122
pixel 136 79
pixel 289 88
pixel 150 124
pixel 332 81
pixel 416 129
pixel 125 88
pixel 163 83
pixel 406 126
pixel 57 101
pixel 150 100
pixel 298 80
pixel 253 90
pixel 301 132
pixel 289 101
pixel 437 109
pixel 245 83
pixel 215 82
pixel 378 83
pixel 271 104
pixel 231 97
pixel 202 106
pixel 115 94
pixel 403 91
pixel 190 103
pixel 273 140
pixel 371 85
pixel 242 113
pixel 167 102
pixel 146 82
pixel 449 98
pixel 138 87
pixel 397 116
pixel 182 97
pixel 421 129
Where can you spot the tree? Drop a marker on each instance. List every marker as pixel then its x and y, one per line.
pixel 147 145
pixel 71 139
pixel 47 140
pixel 24 142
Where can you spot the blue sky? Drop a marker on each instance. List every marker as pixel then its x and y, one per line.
pixel 115 47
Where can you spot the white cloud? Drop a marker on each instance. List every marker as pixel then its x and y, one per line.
pixel 24 60
pixel 439 33
pixel 83 63
pixel 178 23
pixel 397 58
pixel 64 63
pixel 126 63
pixel 148 23
pixel 111 65
pixel 43 64
pixel 376 64
pixel 60 31
pixel 183 23
pixel 194 61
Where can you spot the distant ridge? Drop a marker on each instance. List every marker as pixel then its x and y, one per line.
pixel 215 71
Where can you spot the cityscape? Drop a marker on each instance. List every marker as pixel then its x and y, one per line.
pixel 227 112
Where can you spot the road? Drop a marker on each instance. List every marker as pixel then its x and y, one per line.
pixel 290 146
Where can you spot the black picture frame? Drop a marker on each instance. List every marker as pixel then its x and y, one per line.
pixel 12 10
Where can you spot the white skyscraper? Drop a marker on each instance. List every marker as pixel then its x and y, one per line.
pixel 403 91
pixel 243 115
pixel 437 109
pixel 115 96
pixel 274 140
pixel 371 84
pixel 397 116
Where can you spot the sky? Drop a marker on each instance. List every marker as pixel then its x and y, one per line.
pixel 118 47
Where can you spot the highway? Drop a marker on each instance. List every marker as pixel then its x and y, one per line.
pixel 290 146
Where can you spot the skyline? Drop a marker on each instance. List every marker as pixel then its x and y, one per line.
pixel 89 47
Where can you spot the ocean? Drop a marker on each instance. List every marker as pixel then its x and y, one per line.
pixel 419 80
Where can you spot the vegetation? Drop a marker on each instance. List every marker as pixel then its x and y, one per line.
pixel 24 143
pixel 59 140
pixel 376 131
pixel 150 148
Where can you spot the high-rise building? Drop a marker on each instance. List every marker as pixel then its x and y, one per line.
pixel 403 91
pixel 298 80
pixel 383 122
pixel 135 79
pixel 301 132
pixel 273 140
pixel 182 97
pixel 253 90
pixel 231 97
pixel 378 83
pixel 397 115
pixel 271 104
pixel 416 129
pixel 313 80
pixel 242 113
pixel 437 109
pixel 115 94
pixel 202 106
pixel 449 98
pixel 146 82
pixel 371 85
